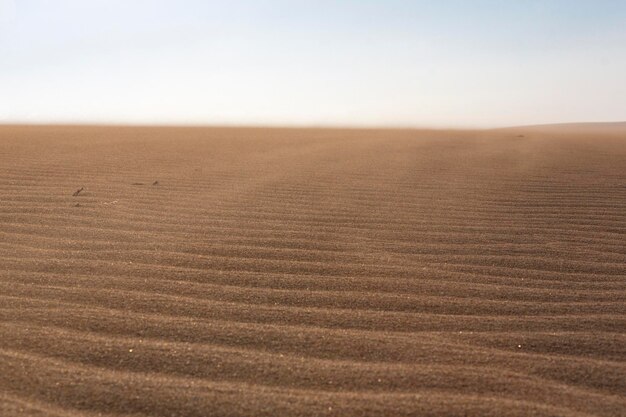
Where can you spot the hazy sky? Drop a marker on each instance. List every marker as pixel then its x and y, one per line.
pixel 384 62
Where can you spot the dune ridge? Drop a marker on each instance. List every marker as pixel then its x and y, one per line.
pixel 307 272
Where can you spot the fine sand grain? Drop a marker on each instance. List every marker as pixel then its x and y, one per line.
pixel 312 272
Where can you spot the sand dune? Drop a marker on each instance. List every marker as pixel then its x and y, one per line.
pixel 310 272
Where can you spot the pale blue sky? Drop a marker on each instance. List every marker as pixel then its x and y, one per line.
pixel 386 62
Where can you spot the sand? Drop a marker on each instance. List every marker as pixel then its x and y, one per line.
pixel 312 272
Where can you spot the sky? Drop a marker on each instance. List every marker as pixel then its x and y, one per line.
pixel 452 63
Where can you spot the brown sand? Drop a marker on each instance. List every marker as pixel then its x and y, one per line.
pixel 285 272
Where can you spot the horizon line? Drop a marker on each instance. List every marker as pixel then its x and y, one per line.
pixel 321 126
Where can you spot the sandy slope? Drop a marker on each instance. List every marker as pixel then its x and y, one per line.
pixel 311 272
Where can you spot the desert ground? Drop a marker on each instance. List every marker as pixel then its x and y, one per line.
pixel 312 272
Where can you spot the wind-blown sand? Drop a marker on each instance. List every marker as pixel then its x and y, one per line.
pixel 285 272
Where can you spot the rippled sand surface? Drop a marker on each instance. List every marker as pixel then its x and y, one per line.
pixel 312 272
